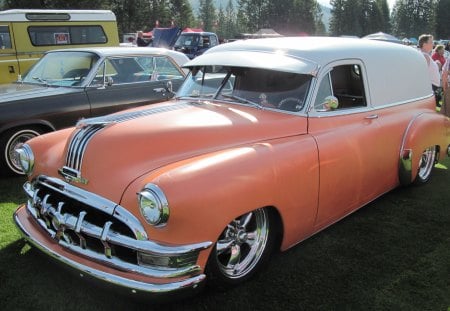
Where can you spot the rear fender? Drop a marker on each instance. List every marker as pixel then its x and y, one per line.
pixel 425 130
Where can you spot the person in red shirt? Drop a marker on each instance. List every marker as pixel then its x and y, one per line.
pixel 438 55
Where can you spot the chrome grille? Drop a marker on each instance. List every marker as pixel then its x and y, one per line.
pixel 94 227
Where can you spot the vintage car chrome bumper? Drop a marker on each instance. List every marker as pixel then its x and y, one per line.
pixel 102 242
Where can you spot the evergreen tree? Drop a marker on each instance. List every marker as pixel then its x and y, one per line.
pixel 359 17
pixel 254 14
pixel 181 12
pixel 207 15
pixel 443 19
pixel 411 18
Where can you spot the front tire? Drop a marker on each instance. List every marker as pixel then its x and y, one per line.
pixel 426 165
pixel 243 247
pixel 11 140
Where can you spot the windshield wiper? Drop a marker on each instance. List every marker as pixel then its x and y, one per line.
pixel 40 80
pixel 243 100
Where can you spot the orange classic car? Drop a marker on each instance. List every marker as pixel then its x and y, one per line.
pixel 266 142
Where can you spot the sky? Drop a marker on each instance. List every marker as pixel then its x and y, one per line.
pixel 327 3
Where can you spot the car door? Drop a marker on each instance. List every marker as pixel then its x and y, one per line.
pixel 130 81
pixel 352 153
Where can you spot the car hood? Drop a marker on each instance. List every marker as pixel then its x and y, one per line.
pixel 19 91
pixel 110 152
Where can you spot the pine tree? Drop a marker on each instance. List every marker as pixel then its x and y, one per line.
pixel 207 15
pixel 443 19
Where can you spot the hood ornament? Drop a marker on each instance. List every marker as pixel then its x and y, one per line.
pixel 71 175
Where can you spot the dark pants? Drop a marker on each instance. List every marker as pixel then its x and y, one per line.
pixel 437 93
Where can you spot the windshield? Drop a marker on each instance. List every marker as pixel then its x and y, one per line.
pixel 250 86
pixel 61 69
pixel 188 40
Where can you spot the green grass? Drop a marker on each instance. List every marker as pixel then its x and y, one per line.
pixel 393 254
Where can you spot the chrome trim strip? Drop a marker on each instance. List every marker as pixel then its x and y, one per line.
pixel 108 277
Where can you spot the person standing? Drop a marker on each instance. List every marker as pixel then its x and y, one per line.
pixel 140 41
pixel 438 55
pixel 445 109
pixel 426 46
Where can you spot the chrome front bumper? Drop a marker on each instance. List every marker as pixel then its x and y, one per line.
pixel 134 286
pixel 61 221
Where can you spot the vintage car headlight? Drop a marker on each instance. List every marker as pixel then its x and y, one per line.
pixel 153 205
pixel 26 158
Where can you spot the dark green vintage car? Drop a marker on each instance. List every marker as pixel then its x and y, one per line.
pixel 67 85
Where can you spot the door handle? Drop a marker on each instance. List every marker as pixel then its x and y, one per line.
pixel 372 116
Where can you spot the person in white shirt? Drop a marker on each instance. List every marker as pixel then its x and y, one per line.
pixel 426 46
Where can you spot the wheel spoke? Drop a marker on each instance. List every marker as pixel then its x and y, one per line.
pixel 224 245
pixel 245 220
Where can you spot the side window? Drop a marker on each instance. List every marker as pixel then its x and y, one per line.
pixel 5 38
pixel 66 35
pixel 164 69
pixel 323 92
pixel 344 83
pixel 105 70
pixel 348 86
pixel 213 40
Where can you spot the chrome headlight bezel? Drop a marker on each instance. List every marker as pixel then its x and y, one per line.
pixel 153 205
pixel 26 158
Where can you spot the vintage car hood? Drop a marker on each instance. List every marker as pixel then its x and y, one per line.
pixel 110 152
pixel 19 91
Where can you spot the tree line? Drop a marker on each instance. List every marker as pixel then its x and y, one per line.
pixel 408 18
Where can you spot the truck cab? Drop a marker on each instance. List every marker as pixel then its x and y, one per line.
pixel 194 44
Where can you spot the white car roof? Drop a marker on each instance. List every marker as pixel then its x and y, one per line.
pixel 179 57
pixel 395 73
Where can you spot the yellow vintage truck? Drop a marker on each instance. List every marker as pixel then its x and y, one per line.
pixel 26 34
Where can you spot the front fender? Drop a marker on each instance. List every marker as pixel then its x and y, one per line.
pixel 207 192
pixel 425 130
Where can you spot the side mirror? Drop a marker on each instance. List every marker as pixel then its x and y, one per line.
pixel 109 81
pixel 169 87
pixel 330 103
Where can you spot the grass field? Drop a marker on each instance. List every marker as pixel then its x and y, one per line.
pixel 393 254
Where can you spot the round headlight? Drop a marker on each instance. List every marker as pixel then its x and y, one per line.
pixel 153 205
pixel 26 158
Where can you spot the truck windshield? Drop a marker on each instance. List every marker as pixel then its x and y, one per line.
pixel 261 88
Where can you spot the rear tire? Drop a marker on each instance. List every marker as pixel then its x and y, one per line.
pixel 9 141
pixel 426 165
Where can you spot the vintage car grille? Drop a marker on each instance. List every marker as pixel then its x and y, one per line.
pixel 106 233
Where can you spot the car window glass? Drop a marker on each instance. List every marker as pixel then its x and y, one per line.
pixel 5 38
pixel 63 69
pixel 66 35
pixel 348 86
pixel 323 92
pixel 259 87
pixel 105 70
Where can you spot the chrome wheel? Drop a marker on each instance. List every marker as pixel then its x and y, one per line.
pixel 426 164
pixel 241 245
